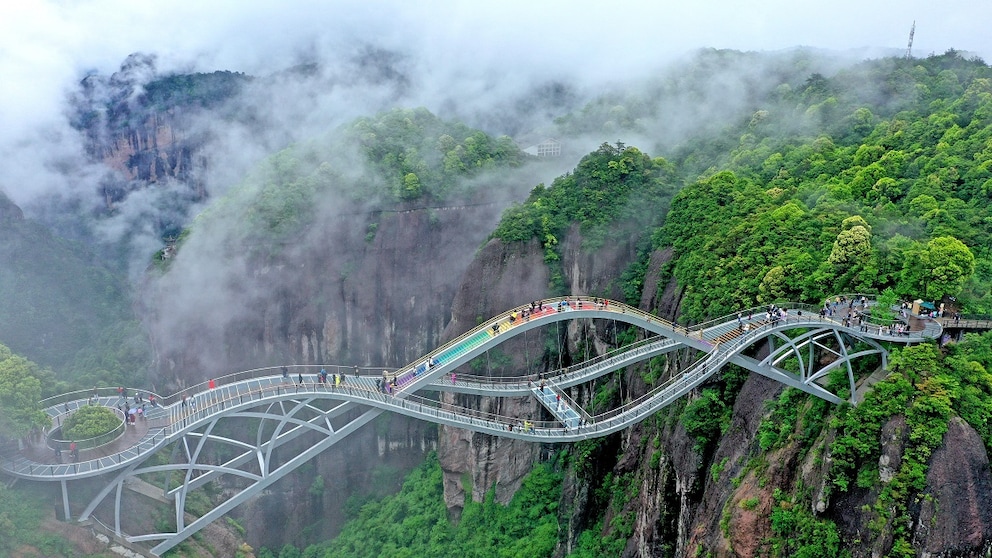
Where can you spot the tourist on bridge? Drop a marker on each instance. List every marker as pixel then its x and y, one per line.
pixel 285 373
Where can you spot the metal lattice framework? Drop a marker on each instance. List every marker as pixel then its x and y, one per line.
pixel 201 429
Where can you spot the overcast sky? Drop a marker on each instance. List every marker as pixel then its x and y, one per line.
pixel 46 46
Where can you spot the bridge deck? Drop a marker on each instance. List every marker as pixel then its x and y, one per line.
pixel 721 339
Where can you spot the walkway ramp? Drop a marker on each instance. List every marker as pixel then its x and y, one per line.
pixel 560 405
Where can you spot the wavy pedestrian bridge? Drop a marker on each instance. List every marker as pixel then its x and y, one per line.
pixel 185 440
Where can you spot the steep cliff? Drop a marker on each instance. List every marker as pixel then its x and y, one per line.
pixel 669 494
pixel 330 253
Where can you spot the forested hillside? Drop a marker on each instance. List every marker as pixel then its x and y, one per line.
pixel 875 178
pixel 739 180
pixel 64 309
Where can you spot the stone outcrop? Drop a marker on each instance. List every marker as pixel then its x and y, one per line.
pixel 955 514
pixel 498 278
pixel 358 299
pixel 714 500
pixel 153 150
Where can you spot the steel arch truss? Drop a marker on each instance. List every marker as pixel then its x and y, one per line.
pixel 220 445
pixel 816 352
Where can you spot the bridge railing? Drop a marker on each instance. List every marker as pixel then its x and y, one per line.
pixel 56 404
pixel 653 400
pixel 565 372
pixel 755 311
pixel 109 394
pixel 559 392
pixel 293 373
pixel 88 443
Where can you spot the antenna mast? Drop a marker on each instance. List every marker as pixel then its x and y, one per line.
pixel 909 49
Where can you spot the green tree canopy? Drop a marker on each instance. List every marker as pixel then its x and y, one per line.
pixel 20 391
pixel 89 421
pixel 948 264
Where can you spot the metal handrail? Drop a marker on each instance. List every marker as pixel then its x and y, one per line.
pixel 559 372
pixel 95 441
pixel 159 433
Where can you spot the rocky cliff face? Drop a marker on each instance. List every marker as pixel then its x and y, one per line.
pixel 711 500
pixel 342 296
pixel 500 277
pixel 156 148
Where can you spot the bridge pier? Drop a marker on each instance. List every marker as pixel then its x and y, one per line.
pixel 65 501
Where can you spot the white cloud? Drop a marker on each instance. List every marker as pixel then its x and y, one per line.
pixel 482 50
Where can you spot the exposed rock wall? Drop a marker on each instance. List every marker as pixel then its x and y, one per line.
pixel 716 502
pixel 499 278
pixel 157 148
pixel 955 514
pixel 348 298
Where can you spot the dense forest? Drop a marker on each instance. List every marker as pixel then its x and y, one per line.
pixel 874 177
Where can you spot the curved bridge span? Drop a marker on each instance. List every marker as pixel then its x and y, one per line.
pixel 287 405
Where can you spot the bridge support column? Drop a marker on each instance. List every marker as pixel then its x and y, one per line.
pixel 65 500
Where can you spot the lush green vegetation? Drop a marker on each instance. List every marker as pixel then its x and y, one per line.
pixel 20 391
pixel 415 522
pixel 421 156
pixel 65 310
pixel 405 158
pixel 89 421
pixel 21 515
pixel 205 90
pixel 858 202
pixel 876 179
pixel 615 193
pixel 800 534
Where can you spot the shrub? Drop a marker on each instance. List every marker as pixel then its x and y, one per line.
pixel 89 422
